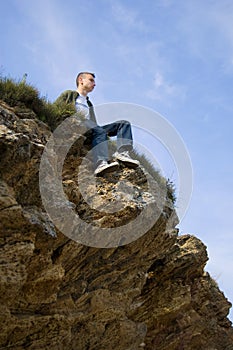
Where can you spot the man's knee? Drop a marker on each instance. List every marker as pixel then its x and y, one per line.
pixel 98 130
pixel 125 122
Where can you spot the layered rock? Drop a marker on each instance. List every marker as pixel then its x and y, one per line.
pixel 56 293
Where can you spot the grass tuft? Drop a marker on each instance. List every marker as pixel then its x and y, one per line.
pixel 22 94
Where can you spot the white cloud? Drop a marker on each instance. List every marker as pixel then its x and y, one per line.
pixel 163 90
pixel 51 42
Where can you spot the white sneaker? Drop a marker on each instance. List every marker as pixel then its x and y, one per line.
pixel 105 167
pixel 125 158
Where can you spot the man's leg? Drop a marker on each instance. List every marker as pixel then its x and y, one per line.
pixel 99 144
pixel 121 129
pixel 99 139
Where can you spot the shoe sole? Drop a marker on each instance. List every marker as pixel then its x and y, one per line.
pixel 109 169
pixel 128 163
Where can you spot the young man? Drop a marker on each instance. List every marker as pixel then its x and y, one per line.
pixel 85 82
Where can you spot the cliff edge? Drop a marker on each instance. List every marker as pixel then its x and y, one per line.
pixel 151 293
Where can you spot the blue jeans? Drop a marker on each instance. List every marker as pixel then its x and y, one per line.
pixel 99 137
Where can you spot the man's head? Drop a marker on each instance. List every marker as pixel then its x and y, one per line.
pixel 85 81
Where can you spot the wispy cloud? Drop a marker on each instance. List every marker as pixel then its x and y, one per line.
pixel 206 30
pixel 50 42
pixel 46 22
pixel 164 90
pixel 128 16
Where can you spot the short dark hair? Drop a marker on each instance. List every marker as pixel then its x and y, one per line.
pixel 83 73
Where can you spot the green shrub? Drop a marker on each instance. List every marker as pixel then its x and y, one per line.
pixel 19 93
pixel 22 94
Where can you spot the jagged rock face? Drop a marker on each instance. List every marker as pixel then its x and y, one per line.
pixel 56 293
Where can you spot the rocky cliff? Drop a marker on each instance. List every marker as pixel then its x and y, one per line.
pixel 56 293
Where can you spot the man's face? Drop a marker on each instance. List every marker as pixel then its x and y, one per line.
pixel 88 82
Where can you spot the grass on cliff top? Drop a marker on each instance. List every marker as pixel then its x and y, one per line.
pixel 20 93
pixel 155 173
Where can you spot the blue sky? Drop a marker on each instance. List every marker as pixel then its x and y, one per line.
pixel 172 56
